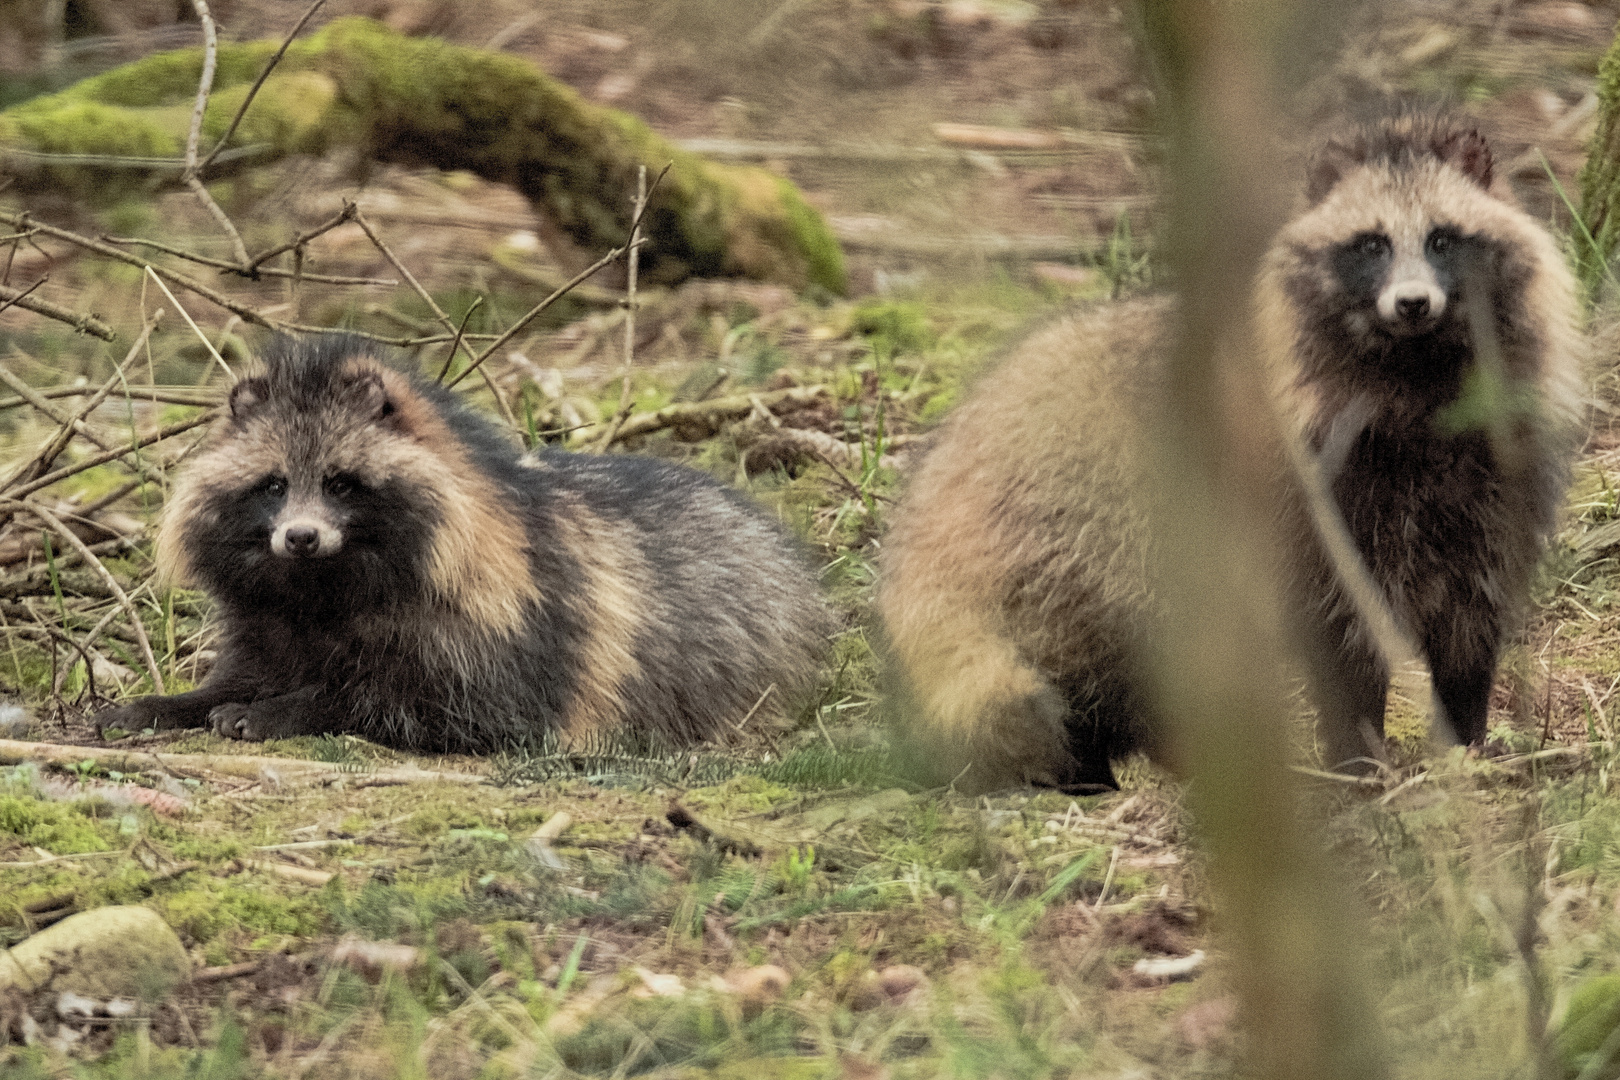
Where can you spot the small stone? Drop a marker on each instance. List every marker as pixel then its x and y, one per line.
pixel 111 952
pixel 758 985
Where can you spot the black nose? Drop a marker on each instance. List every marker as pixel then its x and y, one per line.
pixel 303 539
pixel 1412 308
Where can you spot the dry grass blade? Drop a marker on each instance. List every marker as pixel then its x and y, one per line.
pixel 253 91
pixel 56 525
pixel 85 324
pixel 195 329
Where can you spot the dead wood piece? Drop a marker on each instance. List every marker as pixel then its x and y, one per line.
pixel 706 415
pixel 683 819
pixel 247 766
pixel 299 874
pixel 804 442
pixel 226 971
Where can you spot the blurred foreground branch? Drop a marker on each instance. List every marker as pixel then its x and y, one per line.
pixel 1297 973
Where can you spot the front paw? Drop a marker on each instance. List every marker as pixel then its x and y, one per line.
pixel 234 720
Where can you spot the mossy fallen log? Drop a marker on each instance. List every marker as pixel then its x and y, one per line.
pixel 421 101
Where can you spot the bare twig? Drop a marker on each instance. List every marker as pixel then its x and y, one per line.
pixel 342 216
pixel 205 86
pixel 22 221
pixel 84 324
pixel 68 426
pixel 450 357
pixel 629 310
pixel 538 309
pixel 199 189
pixel 438 312
pixel 269 271
pixel 181 395
pixel 111 582
pixel 116 452
pixel 253 91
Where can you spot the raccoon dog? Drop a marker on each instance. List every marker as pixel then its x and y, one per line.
pixel 1015 588
pixel 382 561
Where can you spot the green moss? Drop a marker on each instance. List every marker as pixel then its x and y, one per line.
pixel 212 906
pixel 421 101
pixel 59 828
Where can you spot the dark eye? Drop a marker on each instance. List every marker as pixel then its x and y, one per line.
pixel 276 486
pixel 1371 244
pixel 338 486
pixel 1440 242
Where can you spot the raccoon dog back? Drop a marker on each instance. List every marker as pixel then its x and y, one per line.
pixel 383 561
pixel 1015 588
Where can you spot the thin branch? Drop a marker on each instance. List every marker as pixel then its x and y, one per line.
pixel 629 309
pixel 536 311
pixel 84 324
pixel 23 221
pixel 205 86
pixel 184 395
pixel 344 215
pixel 450 357
pixel 68 425
pixel 438 312
pixel 199 189
pixel 116 452
pixel 107 578
pixel 709 412
pixel 254 90
pixel 221 264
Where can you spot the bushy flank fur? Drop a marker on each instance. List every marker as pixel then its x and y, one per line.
pixel 1015 586
pixel 382 561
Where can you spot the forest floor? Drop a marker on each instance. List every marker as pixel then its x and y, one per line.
pixel 787 907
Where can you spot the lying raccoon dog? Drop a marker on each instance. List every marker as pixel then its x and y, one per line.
pixel 383 562
pixel 1015 585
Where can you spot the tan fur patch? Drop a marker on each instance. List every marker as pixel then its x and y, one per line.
pixel 617 599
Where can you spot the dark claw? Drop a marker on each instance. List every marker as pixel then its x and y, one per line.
pixel 230 721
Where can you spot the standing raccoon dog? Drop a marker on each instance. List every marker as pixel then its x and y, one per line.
pixel 1016 588
pixel 383 562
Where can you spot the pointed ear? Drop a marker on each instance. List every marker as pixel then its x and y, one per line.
pixel 1328 166
pixel 363 391
pixel 1469 154
pixel 247 396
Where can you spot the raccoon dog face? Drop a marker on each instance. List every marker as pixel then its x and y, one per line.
pixel 1404 229
pixel 315 494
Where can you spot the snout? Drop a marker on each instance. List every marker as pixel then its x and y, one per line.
pixel 1411 306
pixel 305 538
